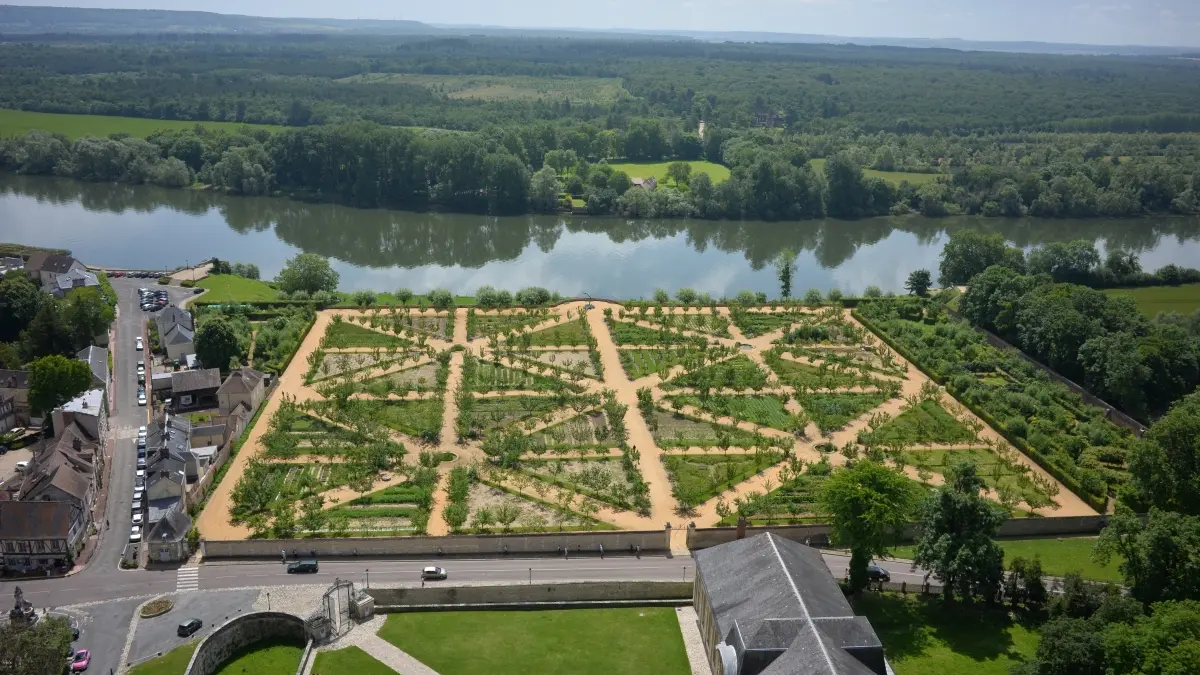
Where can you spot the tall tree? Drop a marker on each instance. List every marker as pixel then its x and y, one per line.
pixel 217 343
pixel 307 272
pixel 56 379
pixel 970 252
pixel 1165 467
pixel 785 270
pixel 1160 560
pixel 19 302
pixel 47 333
pixel 869 505
pixel 544 189
pixel 86 315
pixel 918 283
pixel 36 649
pixel 956 541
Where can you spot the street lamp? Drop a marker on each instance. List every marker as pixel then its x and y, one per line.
pixel 368 577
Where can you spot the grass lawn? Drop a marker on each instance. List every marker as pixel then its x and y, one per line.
pixel 174 662
pixel 894 177
pixel 264 658
pixel 350 660
pixel 577 641
pixel 17 122
pixel 344 334
pixel 924 637
pixel 1154 299
pixel 566 333
pixel 658 170
pixel 232 288
pixel 1058 556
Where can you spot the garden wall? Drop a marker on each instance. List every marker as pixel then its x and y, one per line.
pixel 705 537
pixel 551 543
pixel 241 632
pixel 448 597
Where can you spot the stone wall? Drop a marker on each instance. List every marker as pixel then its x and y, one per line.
pixel 451 597
pixel 487 544
pixel 699 538
pixel 241 632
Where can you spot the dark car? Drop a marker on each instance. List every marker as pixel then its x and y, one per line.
pixel 189 627
pixel 877 573
pixel 302 567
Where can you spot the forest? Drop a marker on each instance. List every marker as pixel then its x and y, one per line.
pixel 507 125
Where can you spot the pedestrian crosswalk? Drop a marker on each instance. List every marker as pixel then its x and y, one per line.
pixel 188 579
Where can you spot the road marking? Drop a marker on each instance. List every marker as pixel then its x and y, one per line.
pixel 188 579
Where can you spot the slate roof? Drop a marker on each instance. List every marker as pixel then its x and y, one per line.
pixel 178 334
pixel 776 603
pixel 97 360
pixel 36 520
pixel 49 262
pixel 170 437
pixel 75 279
pixel 173 525
pixel 172 316
pixel 195 380
pixel 242 381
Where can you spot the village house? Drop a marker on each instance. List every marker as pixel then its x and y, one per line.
pixel 14 385
pixel 195 389
pixel 44 268
pixel 40 534
pixel 244 387
pixel 65 283
pixel 97 360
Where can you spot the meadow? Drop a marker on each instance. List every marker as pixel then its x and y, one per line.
pixel 19 122
pixel 505 87
pixel 893 177
pixel 1154 299
pixel 658 170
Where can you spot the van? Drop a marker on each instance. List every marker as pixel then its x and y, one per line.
pixel 302 567
pixel 189 627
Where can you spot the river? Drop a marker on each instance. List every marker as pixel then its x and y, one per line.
pixel 144 227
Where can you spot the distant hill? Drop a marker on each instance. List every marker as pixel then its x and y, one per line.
pixel 20 20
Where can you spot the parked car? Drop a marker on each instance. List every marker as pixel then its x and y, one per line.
pixel 142 431
pixel 23 466
pixel 302 567
pixel 142 398
pixel 433 573
pixel 137 519
pixel 877 573
pixel 74 632
pixel 135 534
pixel 83 658
pixel 137 344
pixel 189 627
pixel 138 495
pixel 141 462
pixel 141 367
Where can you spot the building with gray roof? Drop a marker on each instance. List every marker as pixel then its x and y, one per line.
pixel 97 360
pixel 769 605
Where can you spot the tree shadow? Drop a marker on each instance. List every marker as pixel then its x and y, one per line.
pixel 911 626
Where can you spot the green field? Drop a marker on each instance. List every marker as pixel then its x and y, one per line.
pixel 264 658
pixel 894 177
pixel 232 288
pixel 1058 556
pixel 658 170
pixel 348 661
pixel 17 122
pixel 1154 299
pixel 506 87
pixel 923 636
pixel 643 640
pixel 174 662
pixel 345 334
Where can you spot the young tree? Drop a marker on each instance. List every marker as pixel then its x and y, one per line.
pixel 785 270
pixel 918 283
pixel 284 525
pixel 54 380
pixel 680 172
pixel 307 272
pixel 403 295
pixel 312 514
pixel 956 541
pixel 868 504
pixel 507 513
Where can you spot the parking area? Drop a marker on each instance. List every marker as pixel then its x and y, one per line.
pixel 158 635
pixel 102 631
pixel 9 461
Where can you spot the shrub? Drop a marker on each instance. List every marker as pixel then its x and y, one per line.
pixel 362 298
pixel 323 298
pixel 534 296
pixel 188 284
pixel 163 281
pixel 441 299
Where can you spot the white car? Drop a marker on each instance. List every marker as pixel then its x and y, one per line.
pixel 135 534
pixel 138 494
pixel 137 519
pixel 141 398
pixel 141 433
pixel 138 344
pixel 22 467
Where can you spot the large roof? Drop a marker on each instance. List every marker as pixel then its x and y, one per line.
pixel 36 520
pixel 97 360
pixel 775 601
pixel 178 334
pixel 89 402
pixel 174 316
pixel 242 381
pixel 49 262
pixel 195 380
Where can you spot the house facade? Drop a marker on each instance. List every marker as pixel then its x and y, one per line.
pixel 44 268
pixel 8 414
pixel 243 386
pixel 14 384
pixel 40 535
pixel 178 342
pixel 195 389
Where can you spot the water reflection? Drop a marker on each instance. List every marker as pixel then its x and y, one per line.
pixel 602 256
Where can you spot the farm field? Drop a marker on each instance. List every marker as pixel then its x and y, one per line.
pixel 506 87
pixel 639 363
pixel 671 430
pixel 643 641
pixel 18 122
pixel 658 170
pixel 927 423
pixel 1151 300
pixel 738 372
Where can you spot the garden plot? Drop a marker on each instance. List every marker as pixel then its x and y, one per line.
pixel 794 502
pixel 768 411
pixel 575 361
pixel 831 412
pixel 603 478
pixel 672 430
pixel 335 364
pixel 738 372
pixel 483 414
pixel 927 423
pixel 626 333
pixel 754 324
pixel 854 355
pixel 712 324
pixel 697 478
pixel 639 363
pixel 416 378
pixel 421 418
pixel 531 515
pixel 567 333
pixel 486 376
pixel 825 375
pixel 590 430
pixel 344 335
pixel 479 324
pixel 833 331
pixel 437 326
pixel 996 473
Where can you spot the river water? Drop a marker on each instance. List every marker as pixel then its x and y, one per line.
pixel 145 227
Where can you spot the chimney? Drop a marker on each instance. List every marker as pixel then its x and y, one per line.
pixel 85 404
pixel 77 443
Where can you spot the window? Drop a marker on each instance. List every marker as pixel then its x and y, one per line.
pixel 186 399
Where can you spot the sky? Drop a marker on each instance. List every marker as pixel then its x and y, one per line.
pixel 1113 22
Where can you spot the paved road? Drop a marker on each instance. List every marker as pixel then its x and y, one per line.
pixel 226 575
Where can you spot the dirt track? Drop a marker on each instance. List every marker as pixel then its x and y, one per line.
pixel 213 522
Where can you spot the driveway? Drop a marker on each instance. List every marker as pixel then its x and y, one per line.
pixel 157 635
